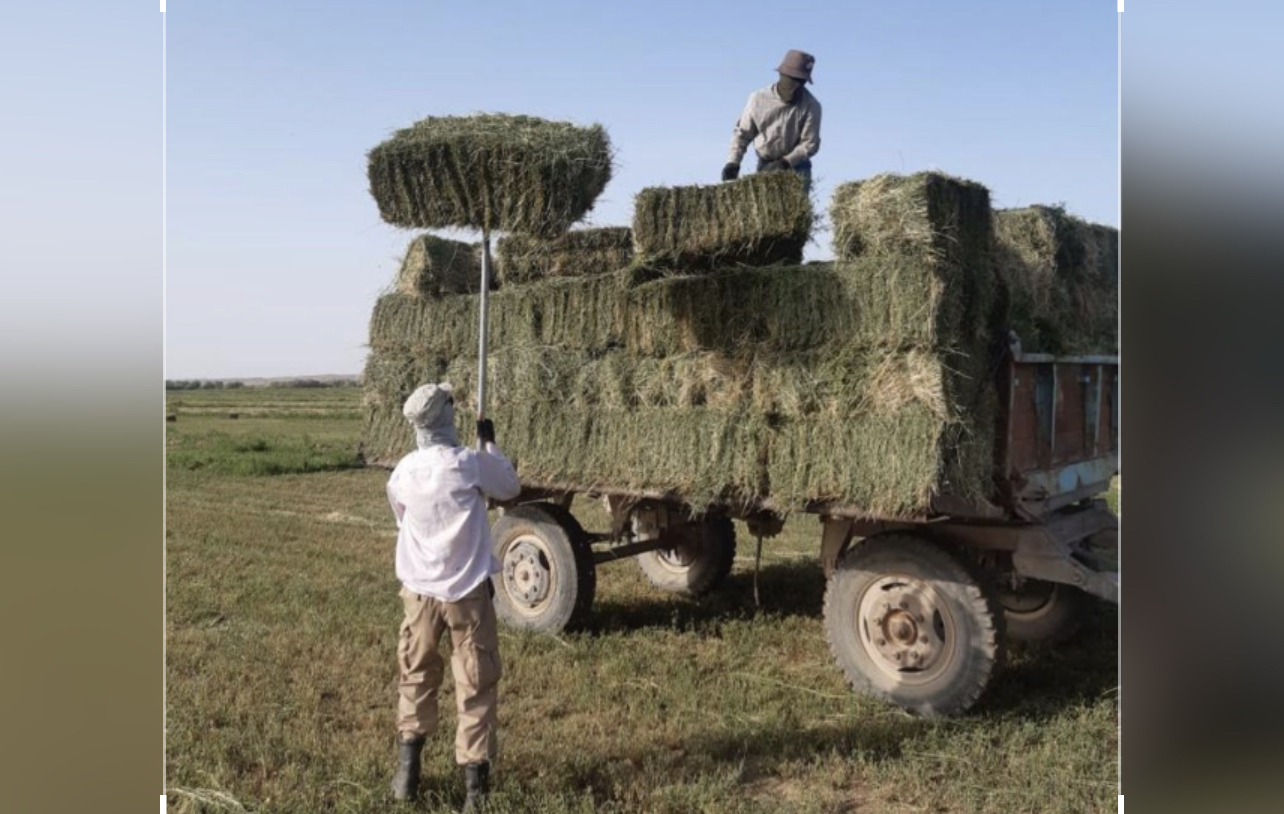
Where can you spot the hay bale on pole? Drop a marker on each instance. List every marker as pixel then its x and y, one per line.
pixel 1060 280
pixel 491 172
pixel 578 253
pixel 761 219
pixel 434 267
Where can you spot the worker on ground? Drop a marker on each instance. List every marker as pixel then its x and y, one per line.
pixel 783 122
pixel 444 562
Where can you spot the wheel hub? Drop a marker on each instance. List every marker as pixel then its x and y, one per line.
pixel 526 574
pixel 902 626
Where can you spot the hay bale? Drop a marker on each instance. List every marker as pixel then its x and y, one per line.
pixel 434 267
pixel 490 172
pixel 578 253
pixel 1060 280
pixel 576 312
pixel 932 216
pixel 866 381
pixel 923 246
pixel 874 429
pixel 761 219
pixel 779 308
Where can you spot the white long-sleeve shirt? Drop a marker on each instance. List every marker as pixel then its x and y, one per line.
pixel 439 497
pixel 777 129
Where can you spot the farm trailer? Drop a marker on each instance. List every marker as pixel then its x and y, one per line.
pixel 916 610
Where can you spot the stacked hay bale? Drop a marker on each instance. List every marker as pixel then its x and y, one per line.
pixel 759 220
pixel 579 253
pixel 916 255
pixel 854 382
pixel 1060 280
pixel 434 266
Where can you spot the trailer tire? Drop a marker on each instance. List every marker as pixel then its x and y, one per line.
pixel 700 561
pixel 547 576
pixel 1042 612
pixel 912 623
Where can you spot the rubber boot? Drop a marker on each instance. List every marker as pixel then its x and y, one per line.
pixel 405 783
pixel 477 786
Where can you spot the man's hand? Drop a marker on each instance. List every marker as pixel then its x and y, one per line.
pixel 486 431
pixel 778 165
pixel 731 172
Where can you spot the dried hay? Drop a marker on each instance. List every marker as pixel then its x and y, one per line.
pixel 490 172
pixel 434 267
pixel 1060 280
pixel 578 253
pixel 923 246
pixel 865 382
pixel 761 219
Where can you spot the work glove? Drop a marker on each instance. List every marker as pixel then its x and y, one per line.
pixel 486 431
pixel 731 172
pixel 776 166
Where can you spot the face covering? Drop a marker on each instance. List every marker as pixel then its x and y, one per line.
pixel 787 88
pixel 441 432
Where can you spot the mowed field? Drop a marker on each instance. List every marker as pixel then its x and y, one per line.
pixel 282 615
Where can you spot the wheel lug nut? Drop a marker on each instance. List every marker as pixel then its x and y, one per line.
pixel 882 642
pixel 923 640
pixel 904 605
pixel 899 656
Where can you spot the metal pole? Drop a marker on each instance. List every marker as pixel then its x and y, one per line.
pixel 481 333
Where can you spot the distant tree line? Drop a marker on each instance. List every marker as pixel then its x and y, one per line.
pixel 319 383
pixel 198 384
pixel 217 384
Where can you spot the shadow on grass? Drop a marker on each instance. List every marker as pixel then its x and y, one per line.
pixel 1039 687
pixel 1034 682
pixel 1039 681
pixel 785 589
pixel 623 778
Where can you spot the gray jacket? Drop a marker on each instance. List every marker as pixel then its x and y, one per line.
pixel 777 130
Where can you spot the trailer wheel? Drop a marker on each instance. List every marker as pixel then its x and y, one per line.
pixel 1038 611
pixel 911 623
pixel 700 559
pixel 547 576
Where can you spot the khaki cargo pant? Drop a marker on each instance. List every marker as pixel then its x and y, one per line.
pixel 474 660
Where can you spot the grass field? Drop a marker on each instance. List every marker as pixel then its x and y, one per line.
pixel 282 615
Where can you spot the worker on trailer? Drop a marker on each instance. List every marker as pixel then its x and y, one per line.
pixel 444 562
pixel 783 122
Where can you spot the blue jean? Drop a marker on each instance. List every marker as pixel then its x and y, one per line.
pixel 803 168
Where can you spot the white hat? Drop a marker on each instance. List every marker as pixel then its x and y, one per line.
pixel 426 405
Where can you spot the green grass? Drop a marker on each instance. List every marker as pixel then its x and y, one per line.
pixel 267 402
pixel 281 622
pixel 259 454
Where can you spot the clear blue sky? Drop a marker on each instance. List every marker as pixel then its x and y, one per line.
pixel 276 252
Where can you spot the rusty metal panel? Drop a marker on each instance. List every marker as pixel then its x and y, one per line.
pixel 1092 409
pixel 1070 442
pixel 1058 438
pixel 1048 358
pixel 1023 431
pixel 1041 490
pixel 1058 414
pixel 1114 408
pixel 1045 406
